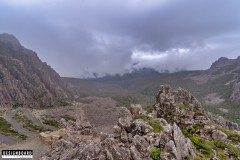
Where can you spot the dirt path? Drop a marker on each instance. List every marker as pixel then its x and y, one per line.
pixel 8 140
pixel 17 126
pixel 79 108
pixel 29 115
pixel 81 111
pixel 35 144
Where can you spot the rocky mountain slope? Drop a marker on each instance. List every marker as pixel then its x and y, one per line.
pixel 178 128
pixel 24 79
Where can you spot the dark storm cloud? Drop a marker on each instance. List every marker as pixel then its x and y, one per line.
pixel 76 37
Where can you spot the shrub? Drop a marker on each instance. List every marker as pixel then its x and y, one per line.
pixel 50 122
pixel 155 153
pixel 203 145
pixel 183 106
pixel 234 151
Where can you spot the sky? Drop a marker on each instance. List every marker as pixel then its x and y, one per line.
pixel 78 37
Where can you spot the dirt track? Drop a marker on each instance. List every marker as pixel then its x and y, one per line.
pixel 17 126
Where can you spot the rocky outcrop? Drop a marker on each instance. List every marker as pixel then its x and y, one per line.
pixel 24 79
pixel 219 120
pixel 179 106
pixel 182 107
pixel 185 132
pixel 132 140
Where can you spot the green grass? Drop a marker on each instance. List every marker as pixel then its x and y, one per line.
pixel 50 121
pixel 27 123
pixel 183 106
pixel 155 153
pixel 157 128
pixel 206 147
pixel 6 129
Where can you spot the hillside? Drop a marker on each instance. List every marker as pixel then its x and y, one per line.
pixel 217 88
pixel 24 79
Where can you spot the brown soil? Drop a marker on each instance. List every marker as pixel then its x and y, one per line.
pixel 101 112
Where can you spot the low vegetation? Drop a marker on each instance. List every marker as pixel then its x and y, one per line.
pixel 48 120
pixel 27 123
pixel 155 153
pixel 157 128
pixel 233 136
pixel 206 148
pixel 6 129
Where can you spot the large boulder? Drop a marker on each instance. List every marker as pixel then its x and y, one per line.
pixel 125 118
pixel 219 135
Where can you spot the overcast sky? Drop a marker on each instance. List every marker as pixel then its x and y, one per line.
pixel 114 36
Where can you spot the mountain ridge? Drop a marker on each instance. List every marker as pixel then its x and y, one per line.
pixel 25 79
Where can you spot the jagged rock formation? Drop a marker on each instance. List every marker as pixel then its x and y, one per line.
pixel 176 129
pixel 132 139
pixel 25 79
pixel 182 107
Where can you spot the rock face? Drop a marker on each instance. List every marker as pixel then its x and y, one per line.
pixel 179 106
pixel 24 79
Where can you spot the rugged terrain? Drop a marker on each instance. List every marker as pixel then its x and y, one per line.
pixel 217 88
pixel 24 79
pixel 178 128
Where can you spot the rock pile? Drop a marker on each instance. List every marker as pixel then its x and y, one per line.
pixel 133 138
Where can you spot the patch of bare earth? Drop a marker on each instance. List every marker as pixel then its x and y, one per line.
pixel 73 111
pixel 224 110
pixel 200 79
pixel 212 99
pixel 101 112
pixel 35 144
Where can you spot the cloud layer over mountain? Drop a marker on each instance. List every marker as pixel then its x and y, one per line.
pixel 79 36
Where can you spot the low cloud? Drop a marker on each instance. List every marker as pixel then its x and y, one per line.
pixel 79 37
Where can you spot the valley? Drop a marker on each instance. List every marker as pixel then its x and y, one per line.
pixel 133 116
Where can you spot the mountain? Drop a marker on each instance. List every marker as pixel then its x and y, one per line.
pixel 177 128
pixel 24 79
pixel 217 88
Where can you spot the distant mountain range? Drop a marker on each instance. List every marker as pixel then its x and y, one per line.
pixel 218 87
pixel 24 79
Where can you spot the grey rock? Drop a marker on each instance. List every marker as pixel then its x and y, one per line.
pixel 219 135
pixel 140 143
pixel 135 154
pixel 121 153
pixel 124 136
pixel 135 108
pixel 140 126
pixel 170 152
